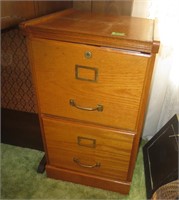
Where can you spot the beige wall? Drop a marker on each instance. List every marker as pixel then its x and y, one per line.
pixel 141 8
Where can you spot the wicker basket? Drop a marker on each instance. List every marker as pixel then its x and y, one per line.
pixel 167 191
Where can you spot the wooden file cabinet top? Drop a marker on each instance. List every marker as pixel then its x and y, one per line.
pixel 124 32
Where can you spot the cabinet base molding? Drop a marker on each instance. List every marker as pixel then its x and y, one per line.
pixel 87 179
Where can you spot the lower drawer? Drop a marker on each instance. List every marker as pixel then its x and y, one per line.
pixel 89 149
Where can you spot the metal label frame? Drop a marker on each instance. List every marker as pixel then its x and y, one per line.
pixel 77 67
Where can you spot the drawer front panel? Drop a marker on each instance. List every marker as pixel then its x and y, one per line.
pixel 92 150
pixel 89 83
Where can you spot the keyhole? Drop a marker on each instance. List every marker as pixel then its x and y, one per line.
pixel 88 54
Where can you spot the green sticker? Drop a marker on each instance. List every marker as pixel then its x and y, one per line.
pixel 117 34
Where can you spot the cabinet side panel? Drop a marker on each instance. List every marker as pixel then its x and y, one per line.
pixel 142 111
pixel 32 67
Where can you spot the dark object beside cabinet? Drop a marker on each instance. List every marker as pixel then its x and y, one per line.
pixel 161 157
pixel 21 129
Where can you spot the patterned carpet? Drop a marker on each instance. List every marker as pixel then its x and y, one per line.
pixel 20 180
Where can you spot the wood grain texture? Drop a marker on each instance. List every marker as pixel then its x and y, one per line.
pixel 24 25
pixel 75 57
pixel 112 7
pixel 107 7
pixel 89 180
pixel 14 12
pixel 23 9
pixel 118 88
pixel 112 148
pixel 46 7
pixel 96 29
pixel 82 5
pixel 141 116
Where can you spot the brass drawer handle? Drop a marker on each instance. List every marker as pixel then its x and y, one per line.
pixel 99 108
pixel 77 161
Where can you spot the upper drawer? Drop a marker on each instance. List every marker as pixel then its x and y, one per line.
pixel 72 79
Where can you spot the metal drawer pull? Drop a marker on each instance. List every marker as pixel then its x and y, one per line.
pixel 99 108
pixel 77 161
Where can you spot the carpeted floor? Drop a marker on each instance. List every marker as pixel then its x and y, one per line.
pixel 19 179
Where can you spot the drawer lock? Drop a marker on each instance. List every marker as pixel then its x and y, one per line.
pixel 88 54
